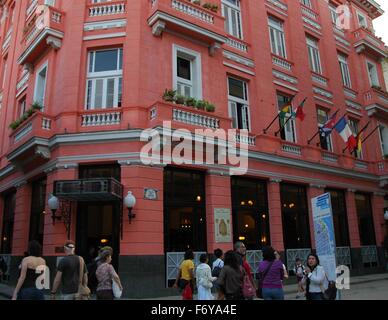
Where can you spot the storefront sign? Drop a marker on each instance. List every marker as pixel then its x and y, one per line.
pixel 222 225
pixel 324 234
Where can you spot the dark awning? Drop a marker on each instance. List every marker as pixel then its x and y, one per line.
pixel 100 189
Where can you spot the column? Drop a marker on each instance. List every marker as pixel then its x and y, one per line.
pixel 21 227
pixel 218 196
pixel 275 214
pixel 379 224
pixel 145 234
pixel 55 235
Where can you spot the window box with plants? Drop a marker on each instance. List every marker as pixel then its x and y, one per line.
pixel 26 115
pixel 172 96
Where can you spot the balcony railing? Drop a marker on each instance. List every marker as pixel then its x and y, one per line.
pixel 279 4
pixel 30 9
pixel 375 96
pixel 104 9
pixel 185 17
pixel 281 62
pixel 365 40
pixel 319 79
pixel 237 44
pixel 7 39
pixel 195 119
pixel 293 149
pixel 104 118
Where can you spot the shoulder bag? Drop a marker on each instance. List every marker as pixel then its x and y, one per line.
pixel 83 291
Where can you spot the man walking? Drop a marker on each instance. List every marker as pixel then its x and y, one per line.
pixel 68 274
pixel 241 252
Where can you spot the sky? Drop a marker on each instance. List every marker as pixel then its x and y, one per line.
pixel 381 23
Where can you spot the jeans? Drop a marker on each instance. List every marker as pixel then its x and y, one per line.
pixel 315 296
pixel 68 296
pixel 30 294
pixel 273 294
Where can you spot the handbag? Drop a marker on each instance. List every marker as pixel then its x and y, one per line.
pixel 83 291
pixel 331 292
pixel 259 291
pixel 117 292
pixel 248 290
pixel 187 293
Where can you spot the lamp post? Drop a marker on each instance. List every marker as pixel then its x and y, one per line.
pixel 53 204
pixel 129 202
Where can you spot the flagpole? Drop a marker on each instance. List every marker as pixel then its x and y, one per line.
pixel 312 138
pixel 269 126
pixel 373 131
pixel 281 128
pixel 358 134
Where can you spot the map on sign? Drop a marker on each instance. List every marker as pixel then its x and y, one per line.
pixel 324 235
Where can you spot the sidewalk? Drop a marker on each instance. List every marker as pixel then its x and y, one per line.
pixel 6 291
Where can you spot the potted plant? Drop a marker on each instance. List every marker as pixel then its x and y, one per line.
pixel 197 2
pixel 201 104
pixel 191 102
pixel 209 107
pixel 179 99
pixel 211 6
pixel 169 95
pixel 36 106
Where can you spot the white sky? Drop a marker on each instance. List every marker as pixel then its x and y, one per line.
pixel 381 23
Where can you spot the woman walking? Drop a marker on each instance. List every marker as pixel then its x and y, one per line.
pixel 272 275
pixel 31 265
pixel 106 274
pixel 204 279
pixel 185 278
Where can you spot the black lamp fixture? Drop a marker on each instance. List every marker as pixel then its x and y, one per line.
pixel 386 215
pixel 129 202
pixel 53 203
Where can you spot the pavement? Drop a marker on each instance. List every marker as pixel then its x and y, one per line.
pixel 356 288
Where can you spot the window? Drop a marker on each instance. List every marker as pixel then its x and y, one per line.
pixel 288 132
pixel 372 73
pixel 238 103
pixel 187 74
pixel 384 139
pixel 22 105
pixel 307 3
pixel 8 223
pixel 365 219
pixel 343 62
pixel 326 142
pixel 38 204
pixel 295 216
pixel 362 21
pixel 104 79
pixel 40 85
pixel 250 213
pixel 232 13
pixel 314 57
pixel 276 35
pixel 4 73
pixel 333 14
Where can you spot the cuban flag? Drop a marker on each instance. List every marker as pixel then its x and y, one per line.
pixel 342 127
pixel 327 128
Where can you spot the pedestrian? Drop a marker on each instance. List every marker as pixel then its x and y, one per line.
pixel 314 279
pixel 92 268
pixel 204 279
pixel 106 274
pixel 230 280
pixel 241 250
pixel 277 256
pixel 185 278
pixel 218 264
pixel 68 273
pixel 299 272
pixel 272 274
pixel 32 267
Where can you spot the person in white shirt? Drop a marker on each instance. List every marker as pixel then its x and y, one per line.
pixel 219 263
pixel 277 256
pixel 314 279
pixel 204 279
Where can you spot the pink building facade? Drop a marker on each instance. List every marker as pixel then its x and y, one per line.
pixel 81 80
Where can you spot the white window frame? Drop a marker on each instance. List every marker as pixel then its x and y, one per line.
pixel 345 72
pixel 371 80
pixel 277 37
pixel 196 70
pixel 307 3
pixel 232 9
pixel 383 136
pixel 314 55
pixel 329 140
pixel 333 14
pixel 36 98
pixel 363 16
pixel 290 127
pixel 117 75
pixel 232 106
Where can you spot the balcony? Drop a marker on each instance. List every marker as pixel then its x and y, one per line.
pixel 186 18
pixel 376 102
pixel 310 17
pixel 99 118
pixel 44 30
pixel 365 41
pixel 30 140
pixel 106 11
pixel 319 79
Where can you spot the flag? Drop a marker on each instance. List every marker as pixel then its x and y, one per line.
pixel 342 127
pixel 299 114
pixel 327 128
pixel 283 113
pixel 359 142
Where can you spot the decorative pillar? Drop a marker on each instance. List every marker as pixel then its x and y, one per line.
pixel 315 190
pixel 275 214
pixel 22 218
pixel 378 216
pixel 354 232
pixel 218 196
pixel 145 234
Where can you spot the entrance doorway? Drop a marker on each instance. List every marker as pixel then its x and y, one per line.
pixel 98 226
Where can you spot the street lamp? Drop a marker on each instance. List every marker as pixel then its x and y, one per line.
pixel 129 202
pixel 386 215
pixel 53 204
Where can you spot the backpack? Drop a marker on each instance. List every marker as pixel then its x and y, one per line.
pixel 216 271
pixel 248 290
pixel 92 278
